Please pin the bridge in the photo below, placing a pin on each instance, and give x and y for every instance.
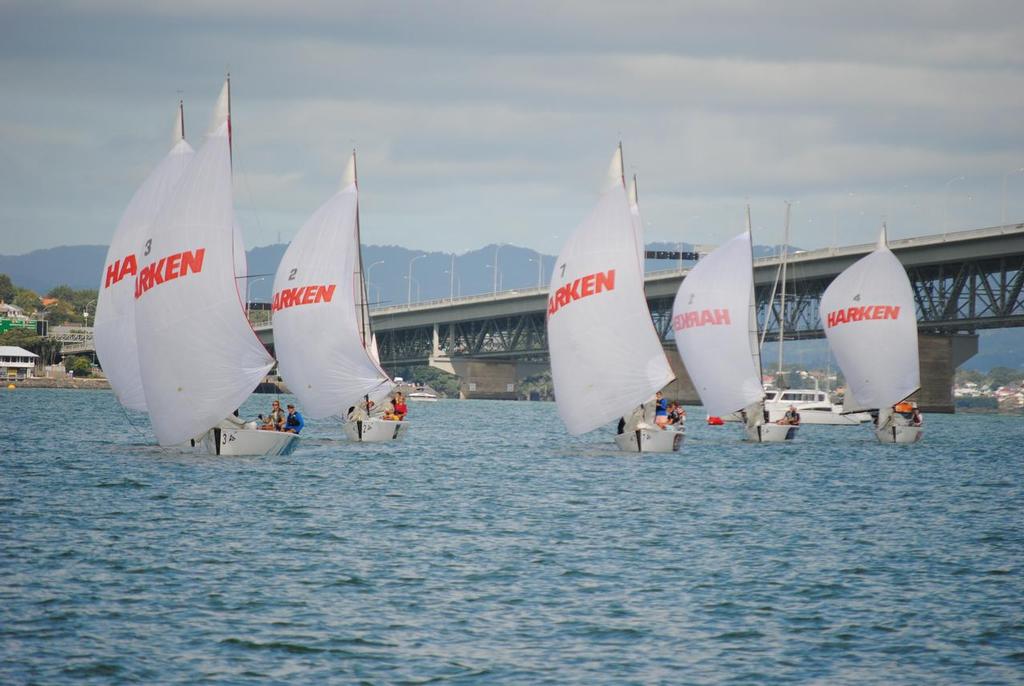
(962, 281)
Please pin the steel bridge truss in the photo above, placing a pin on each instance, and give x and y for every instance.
(952, 297)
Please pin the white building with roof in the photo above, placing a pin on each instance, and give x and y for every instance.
(16, 363)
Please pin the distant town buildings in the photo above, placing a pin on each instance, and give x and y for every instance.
(1007, 398)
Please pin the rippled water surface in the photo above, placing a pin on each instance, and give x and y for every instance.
(490, 547)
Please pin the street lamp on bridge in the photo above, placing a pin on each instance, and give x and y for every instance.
(408, 297)
(369, 284)
(85, 312)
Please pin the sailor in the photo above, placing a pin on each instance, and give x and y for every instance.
(660, 410)
(401, 409)
(791, 416)
(294, 422)
(275, 420)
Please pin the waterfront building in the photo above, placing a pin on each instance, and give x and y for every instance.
(16, 363)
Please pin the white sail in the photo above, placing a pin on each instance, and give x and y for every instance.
(198, 355)
(114, 328)
(871, 324)
(711, 320)
(374, 350)
(317, 327)
(606, 357)
(638, 224)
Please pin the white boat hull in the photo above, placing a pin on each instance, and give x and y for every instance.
(650, 440)
(418, 398)
(771, 433)
(373, 430)
(247, 441)
(899, 434)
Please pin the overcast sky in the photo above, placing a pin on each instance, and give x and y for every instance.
(481, 122)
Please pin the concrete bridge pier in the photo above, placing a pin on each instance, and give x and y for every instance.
(940, 355)
(682, 389)
(487, 379)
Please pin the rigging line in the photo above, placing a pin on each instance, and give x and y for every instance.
(128, 419)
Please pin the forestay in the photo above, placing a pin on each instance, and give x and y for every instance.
(316, 325)
(198, 354)
(114, 329)
(606, 357)
(710, 318)
(870, 321)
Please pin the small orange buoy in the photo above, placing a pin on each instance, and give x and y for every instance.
(715, 421)
(10, 387)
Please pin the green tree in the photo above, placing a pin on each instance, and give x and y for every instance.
(62, 292)
(27, 300)
(446, 385)
(7, 289)
(81, 366)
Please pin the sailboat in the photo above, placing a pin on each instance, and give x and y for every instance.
(114, 328)
(869, 318)
(199, 358)
(715, 322)
(607, 360)
(325, 347)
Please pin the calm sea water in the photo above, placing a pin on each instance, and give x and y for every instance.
(490, 547)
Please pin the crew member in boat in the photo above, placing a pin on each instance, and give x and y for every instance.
(676, 414)
(791, 416)
(401, 409)
(660, 410)
(294, 422)
(275, 420)
(915, 418)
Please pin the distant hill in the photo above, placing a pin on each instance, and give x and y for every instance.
(81, 266)
(78, 266)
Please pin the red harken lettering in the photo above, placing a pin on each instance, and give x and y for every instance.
(686, 320)
(168, 268)
(120, 269)
(585, 286)
(303, 295)
(862, 313)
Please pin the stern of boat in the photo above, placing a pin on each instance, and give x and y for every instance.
(650, 440)
(374, 430)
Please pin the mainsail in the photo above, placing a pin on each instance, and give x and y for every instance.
(318, 327)
(711, 320)
(114, 329)
(198, 354)
(870, 322)
(606, 357)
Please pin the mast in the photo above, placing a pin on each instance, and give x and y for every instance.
(755, 347)
(181, 116)
(231, 149)
(364, 302)
(622, 167)
(782, 297)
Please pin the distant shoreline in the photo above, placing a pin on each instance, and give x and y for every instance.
(81, 383)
